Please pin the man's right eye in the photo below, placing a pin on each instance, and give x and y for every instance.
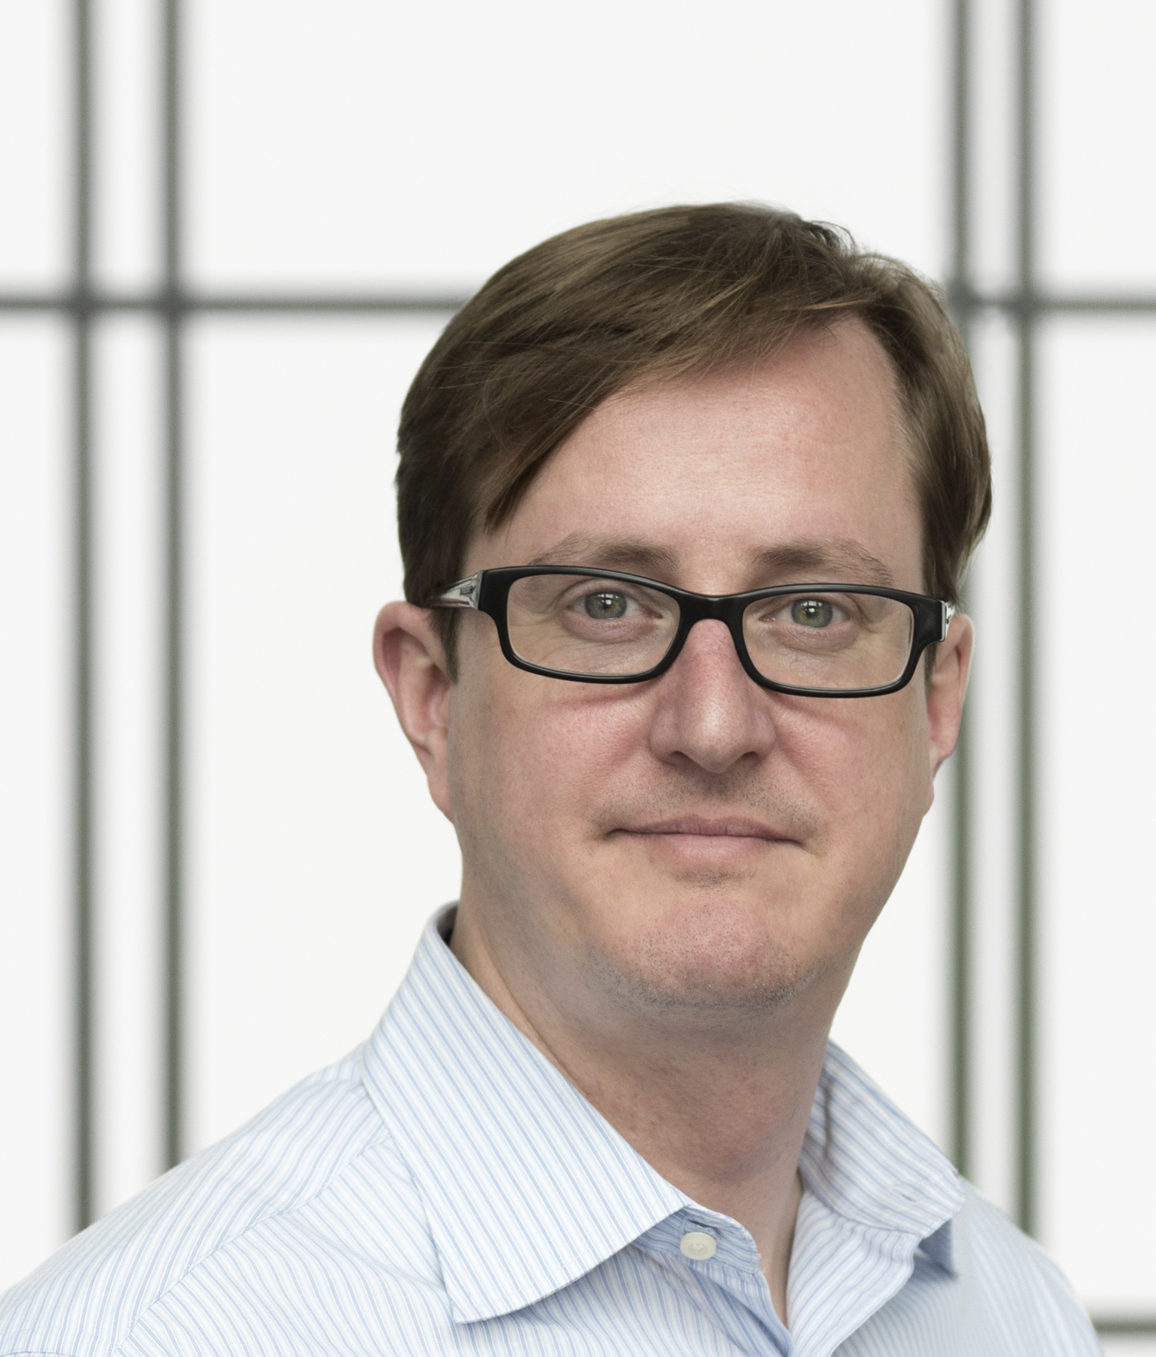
(812, 612)
(605, 605)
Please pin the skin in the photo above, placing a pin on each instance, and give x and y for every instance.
(666, 884)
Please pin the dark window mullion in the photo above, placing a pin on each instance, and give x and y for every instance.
(961, 913)
(83, 771)
(1027, 997)
(173, 961)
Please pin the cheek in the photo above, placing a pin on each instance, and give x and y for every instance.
(868, 766)
(526, 755)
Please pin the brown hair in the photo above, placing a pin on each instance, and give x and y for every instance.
(656, 295)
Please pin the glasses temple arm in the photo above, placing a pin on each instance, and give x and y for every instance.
(463, 594)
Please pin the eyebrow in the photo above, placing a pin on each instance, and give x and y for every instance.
(836, 555)
(836, 560)
(611, 553)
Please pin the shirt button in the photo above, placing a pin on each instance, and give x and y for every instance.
(697, 1244)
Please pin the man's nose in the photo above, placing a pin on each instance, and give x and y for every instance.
(708, 708)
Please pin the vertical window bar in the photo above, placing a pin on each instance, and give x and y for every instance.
(960, 928)
(173, 962)
(1026, 929)
(83, 771)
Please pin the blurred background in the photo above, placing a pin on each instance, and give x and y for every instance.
(230, 231)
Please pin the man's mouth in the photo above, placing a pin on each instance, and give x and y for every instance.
(711, 827)
(707, 838)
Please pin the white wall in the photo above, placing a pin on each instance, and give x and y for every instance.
(360, 146)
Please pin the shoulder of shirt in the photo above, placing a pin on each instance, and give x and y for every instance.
(86, 1300)
(1010, 1274)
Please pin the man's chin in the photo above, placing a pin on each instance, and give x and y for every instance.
(699, 958)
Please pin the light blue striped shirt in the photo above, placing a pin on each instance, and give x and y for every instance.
(446, 1190)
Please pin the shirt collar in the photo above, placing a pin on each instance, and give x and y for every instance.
(868, 1163)
(527, 1187)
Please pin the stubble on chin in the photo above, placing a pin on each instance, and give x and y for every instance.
(712, 966)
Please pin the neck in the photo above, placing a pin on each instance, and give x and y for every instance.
(726, 1126)
(718, 1104)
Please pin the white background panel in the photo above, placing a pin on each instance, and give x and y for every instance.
(1097, 654)
(1097, 193)
(35, 236)
(36, 792)
(893, 1016)
(129, 135)
(991, 120)
(992, 721)
(128, 612)
(315, 854)
(369, 147)
(372, 144)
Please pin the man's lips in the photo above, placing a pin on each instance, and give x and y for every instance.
(707, 841)
(709, 827)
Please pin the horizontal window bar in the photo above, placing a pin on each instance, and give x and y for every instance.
(1037, 302)
(370, 303)
(164, 303)
(1135, 1327)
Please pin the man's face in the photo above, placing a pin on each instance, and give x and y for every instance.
(696, 839)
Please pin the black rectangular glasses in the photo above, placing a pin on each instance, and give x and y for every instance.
(817, 640)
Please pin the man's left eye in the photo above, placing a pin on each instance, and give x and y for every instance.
(812, 612)
(605, 607)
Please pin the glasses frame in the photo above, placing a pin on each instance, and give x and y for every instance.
(488, 591)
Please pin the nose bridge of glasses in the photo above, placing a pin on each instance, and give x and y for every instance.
(725, 608)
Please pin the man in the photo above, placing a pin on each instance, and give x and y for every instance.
(713, 476)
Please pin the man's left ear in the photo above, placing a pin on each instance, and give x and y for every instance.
(410, 660)
(946, 689)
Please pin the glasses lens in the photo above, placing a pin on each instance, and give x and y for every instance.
(831, 642)
(586, 624)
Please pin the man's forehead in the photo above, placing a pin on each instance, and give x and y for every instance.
(833, 560)
(794, 470)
